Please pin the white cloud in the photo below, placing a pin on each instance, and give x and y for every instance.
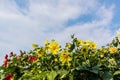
(96, 30)
(106, 14)
(58, 12)
(46, 19)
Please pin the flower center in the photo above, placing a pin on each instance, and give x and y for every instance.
(54, 47)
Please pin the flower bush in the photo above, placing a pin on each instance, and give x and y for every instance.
(78, 60)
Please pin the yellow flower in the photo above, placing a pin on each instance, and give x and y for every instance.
(93, 45)
(84, 49)
(54, 47)
(94, 54)
(34, 46)
(79, 42)
(101, 49)
(101, 55)
(113, 50)
(56, 60)
(118, 35)
(112, 61)
(68, 45)
(86, 42)
(46, 43)
(65, 57)
(105, 50)
(118, 32)
(40, 52)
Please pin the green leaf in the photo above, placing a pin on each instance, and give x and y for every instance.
(62, 73)
(51, 75)
(26, 76)
(107, 75)
(95, 69)
(30, 76)
(86, 64)
(117, 73)
(82, 68)
(2, 76)
(71, 77)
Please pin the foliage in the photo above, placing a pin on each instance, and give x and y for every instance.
(78, 60)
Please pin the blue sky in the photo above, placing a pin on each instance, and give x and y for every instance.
(23, 22)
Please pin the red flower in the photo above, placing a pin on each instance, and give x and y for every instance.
(9, 77)
(5, 64)
(32, 59)
(11, 54)
(5, 60)
(6, 56)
